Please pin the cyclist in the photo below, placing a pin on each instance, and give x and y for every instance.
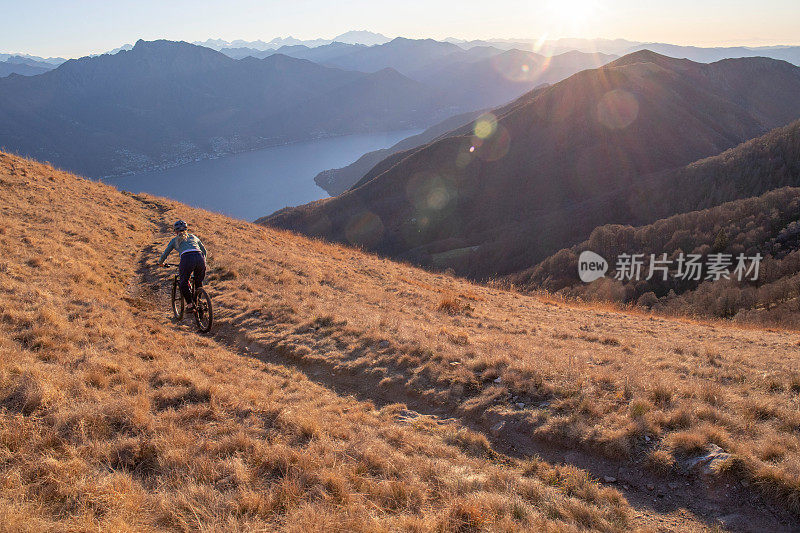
(193, 260)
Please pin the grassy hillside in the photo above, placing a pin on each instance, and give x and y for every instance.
(288, 415)
(114, 418)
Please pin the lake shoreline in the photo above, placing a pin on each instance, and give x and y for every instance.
(253, 183)
(206, 156)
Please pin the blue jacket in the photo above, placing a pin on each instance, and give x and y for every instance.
(189, 244)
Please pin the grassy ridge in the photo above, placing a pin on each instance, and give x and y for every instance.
(128, 412)
(113, 418)
(654, 391)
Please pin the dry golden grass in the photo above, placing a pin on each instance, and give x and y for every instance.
(625, 384)
(112, 418)
(628, 385)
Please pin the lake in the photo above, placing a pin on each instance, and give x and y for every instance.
(254, 184)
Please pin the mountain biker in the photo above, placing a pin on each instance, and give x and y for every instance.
(193, 260)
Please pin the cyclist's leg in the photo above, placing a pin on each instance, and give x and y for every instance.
(185, 269)
(199, 271)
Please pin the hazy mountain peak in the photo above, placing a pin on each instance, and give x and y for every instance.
(648, 56)
(389, 73)
(361, 37)
(127, 46)
(162, 44)
(166, 49)
(409, 40)
(520, 54)
(279, 59)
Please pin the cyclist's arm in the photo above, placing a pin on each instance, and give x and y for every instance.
(170, 247)
(202, 248)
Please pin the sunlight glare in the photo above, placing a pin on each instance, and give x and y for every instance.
(572, 15)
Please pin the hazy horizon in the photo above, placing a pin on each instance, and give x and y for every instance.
(89, 27)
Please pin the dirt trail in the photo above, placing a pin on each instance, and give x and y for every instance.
(660, 503)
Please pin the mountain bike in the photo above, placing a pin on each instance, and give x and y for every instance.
(203, 312)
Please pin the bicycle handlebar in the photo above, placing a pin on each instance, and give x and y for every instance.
(170, 265)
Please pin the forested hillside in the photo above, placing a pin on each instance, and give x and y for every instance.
(767, 226)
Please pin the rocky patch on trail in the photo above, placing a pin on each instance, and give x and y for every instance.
(707, 464)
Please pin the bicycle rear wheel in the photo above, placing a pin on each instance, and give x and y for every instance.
(177, 300)
(203, 314)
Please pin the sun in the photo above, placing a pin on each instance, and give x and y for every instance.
(572, 15)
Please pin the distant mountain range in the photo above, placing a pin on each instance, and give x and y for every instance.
(501, 194)
(27, 58)
(617, 47)
(623, 47)
(239, 48)
(164, 103)
(468, 79)
(318, 54)
(23, 66)
(184, 110)
(709, 55)
(362, 37)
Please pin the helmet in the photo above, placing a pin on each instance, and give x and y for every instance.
(180, 225)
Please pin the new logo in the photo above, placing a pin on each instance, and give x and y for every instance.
(591, 266)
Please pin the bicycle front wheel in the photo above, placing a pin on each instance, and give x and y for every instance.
(204, 314)
(177, 300)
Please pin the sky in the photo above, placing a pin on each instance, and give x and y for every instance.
(81, 27)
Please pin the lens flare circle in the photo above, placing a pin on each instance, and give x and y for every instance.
(496, 147)
(617, 109)
(485, 126)
(364, 229)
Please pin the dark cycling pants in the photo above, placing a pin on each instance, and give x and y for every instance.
(191, 262)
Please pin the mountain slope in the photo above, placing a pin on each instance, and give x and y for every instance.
(751, 222)
(115, 418)
(164, 102)
(386, 100)
(481, 83)
(287, 415)
(478, 205)
(320, 54)
(337, 181)
(762, 164)
(709, 55)
(501, 77)
(766, 226)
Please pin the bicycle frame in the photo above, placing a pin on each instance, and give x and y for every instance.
(203, 310)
